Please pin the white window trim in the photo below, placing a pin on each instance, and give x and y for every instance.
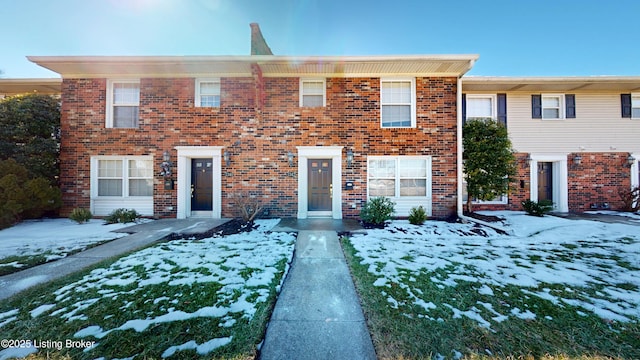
(324, 90)
(109, 110)
(494, 104)
(197, 92)
(125, 175)
(635, 96)
(397, 178)
(562, 109)
(413, 101)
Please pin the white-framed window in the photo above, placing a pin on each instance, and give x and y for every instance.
(552, 106)
(502, 199)
(398, 103)
(481, 106)
(313, 93)
(635, 106)
(123, 176)
(399, 176)
(207, 93)
(123, 103)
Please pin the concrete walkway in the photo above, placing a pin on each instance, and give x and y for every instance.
(142, 236)
(318, 314)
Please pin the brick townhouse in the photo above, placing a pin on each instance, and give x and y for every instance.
(309, 136)
(577, 139)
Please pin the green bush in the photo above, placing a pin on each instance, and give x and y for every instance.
(377, 210)
(534, 208)
(417, 215)
(122, 216)
(22, 197)
(80, 215)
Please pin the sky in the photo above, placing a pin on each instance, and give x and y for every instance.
(512, 37)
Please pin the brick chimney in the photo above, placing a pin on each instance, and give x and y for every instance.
(258, 44)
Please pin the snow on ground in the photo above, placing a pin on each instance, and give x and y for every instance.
(579, 255)
(54, 237)
(237, 269)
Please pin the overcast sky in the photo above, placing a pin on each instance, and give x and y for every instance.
(512, 37)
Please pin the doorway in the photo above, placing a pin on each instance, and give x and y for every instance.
(545, 181)
(320, 184)
(201, 184)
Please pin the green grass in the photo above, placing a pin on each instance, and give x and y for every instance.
(138, 303)
(557, 332)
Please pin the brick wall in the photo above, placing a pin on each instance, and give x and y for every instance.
(258, 135)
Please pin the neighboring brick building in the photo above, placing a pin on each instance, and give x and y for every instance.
(580, 136)
(310, 136)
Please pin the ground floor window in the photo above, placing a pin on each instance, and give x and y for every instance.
(502, 199)
(121, 182)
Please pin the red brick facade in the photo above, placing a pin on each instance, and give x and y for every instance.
(592, 184)
(258, 123)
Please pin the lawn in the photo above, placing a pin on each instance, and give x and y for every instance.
(34, 242)
(554, 288)
(208, 298)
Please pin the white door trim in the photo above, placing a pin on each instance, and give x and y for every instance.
(183, 186)
(634, 170)
(560, 179)
(319, 152)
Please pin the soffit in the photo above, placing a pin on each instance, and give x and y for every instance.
(270, 66)
(23, 86)
(551, 84)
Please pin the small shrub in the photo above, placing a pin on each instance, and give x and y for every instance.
(248, 206)
(539, 208)
(80, 215)
(630, 199)
(122, 216)
(377, 210)
(417, 215)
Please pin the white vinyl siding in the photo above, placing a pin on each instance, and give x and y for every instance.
(481, 106)
(552, 107)
(207, 93)
(123, 103)
(635, 106)
(398, 103)
(406, 180)
(597, 127)
(121, 182)
(312, 93)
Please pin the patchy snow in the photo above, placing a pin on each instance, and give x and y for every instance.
(54, 237)
(241, 268)
(576, 255)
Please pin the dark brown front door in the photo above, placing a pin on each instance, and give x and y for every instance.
(320, 187)
(201, 184)
(545, 181)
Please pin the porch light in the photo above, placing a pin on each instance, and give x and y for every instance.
(630, 160)
(227, 158)
(577, 159)
(528, 159)
(166, 164)
(290, 158)
(349, 157)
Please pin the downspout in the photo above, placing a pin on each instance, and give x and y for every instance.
(459, 146)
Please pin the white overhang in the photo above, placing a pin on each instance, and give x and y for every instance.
(47, 86)
(270, 65)
(550, 84)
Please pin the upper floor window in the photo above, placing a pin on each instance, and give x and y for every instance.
(398, 103)
(481, 106)
(635, 106)
(553, 106)
(208, 93)
(312, 92)
(123, 103)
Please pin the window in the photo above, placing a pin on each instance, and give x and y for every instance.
(207, 93)
(312, 93)
(401, 176)
(124, 176)
(553, 106)
(635, 106)
(502, 199)
(123, 101)
(481, 106)
(397, 102)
